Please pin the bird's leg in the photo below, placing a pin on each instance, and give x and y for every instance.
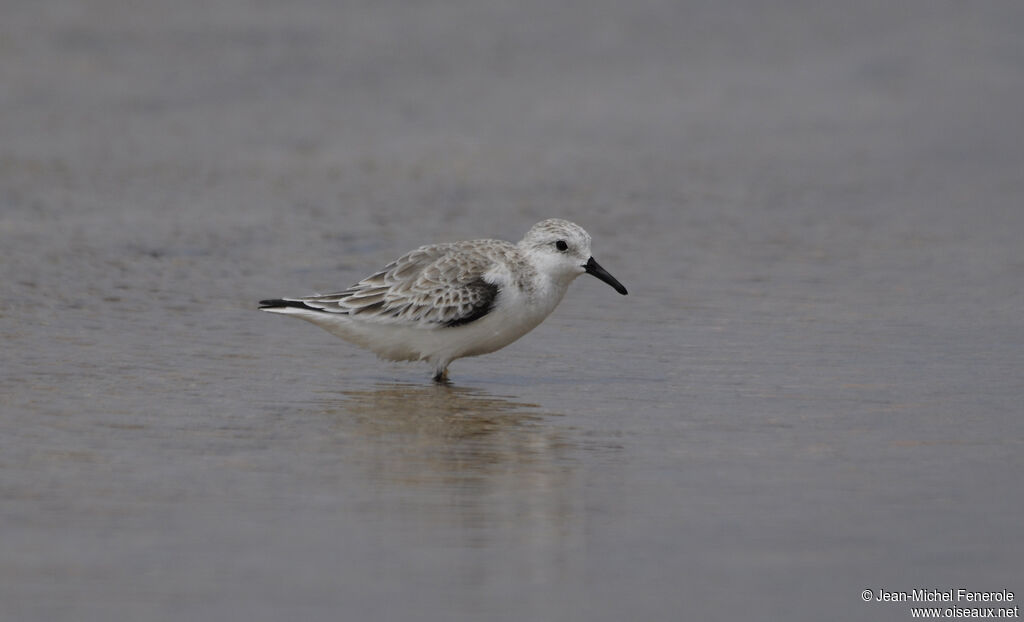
(441, 375)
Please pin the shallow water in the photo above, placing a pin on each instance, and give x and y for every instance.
(813, 388)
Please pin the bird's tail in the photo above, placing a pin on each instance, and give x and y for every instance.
(285, 305)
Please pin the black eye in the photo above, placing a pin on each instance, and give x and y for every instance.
(561, 245)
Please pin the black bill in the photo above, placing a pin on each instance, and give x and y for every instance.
(592, 267)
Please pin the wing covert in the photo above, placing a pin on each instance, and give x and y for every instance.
(438, 284)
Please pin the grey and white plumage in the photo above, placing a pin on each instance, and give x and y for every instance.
(442, 302)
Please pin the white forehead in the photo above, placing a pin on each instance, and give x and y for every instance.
(557, 229)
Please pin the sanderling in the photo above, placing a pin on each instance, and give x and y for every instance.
(442, 302)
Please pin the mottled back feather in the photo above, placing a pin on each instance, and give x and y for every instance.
(440, 284)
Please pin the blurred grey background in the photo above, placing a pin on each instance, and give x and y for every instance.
(814, 387)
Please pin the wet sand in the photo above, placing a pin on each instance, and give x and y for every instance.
(814, 387)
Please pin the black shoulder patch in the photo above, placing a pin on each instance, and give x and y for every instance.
(484, 295)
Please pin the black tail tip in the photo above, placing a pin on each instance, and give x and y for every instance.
(281, 303)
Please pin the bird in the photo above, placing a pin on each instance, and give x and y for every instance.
(442, 302)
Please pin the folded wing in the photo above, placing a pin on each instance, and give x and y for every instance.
(439, 285)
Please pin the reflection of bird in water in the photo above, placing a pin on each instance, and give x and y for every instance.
(449, 412)
(442, 302)
(428, 433)
(493, 468)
